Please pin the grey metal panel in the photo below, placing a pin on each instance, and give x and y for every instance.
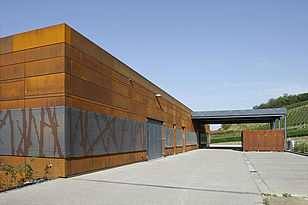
(98, 134)
(5, 133)
(6, 147)
(114, 135)
(154, 139)
(169, 137)
(190, 138)
(53, 140)
(67, 132)
(179, 137)
(76, 121)
(34, 131)
(97, 126)
(138, 130)
(126, 129)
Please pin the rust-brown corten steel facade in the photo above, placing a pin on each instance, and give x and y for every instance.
(263, 140)
(68, 101)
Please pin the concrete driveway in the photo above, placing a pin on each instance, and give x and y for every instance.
(196, 177)
(280, 172)
(206, 176)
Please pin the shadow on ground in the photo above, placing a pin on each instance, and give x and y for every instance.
(226, 147)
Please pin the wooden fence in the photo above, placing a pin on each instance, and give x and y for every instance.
(263, 140)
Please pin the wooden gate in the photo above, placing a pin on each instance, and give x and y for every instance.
(263, 140)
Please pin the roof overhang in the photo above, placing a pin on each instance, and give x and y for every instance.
(239, 116)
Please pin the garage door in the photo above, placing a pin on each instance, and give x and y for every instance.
(154, 138)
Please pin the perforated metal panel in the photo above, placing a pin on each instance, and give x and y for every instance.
(179, 137)
(33, 131)
(154, 139)
(190, 138)
(169, 137)
(90, 133)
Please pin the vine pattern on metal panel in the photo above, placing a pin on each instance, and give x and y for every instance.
(23, 127)
(102, 134)
(45, 131)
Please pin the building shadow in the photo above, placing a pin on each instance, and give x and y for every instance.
(225, 147)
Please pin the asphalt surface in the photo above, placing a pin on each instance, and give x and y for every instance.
(206, 176)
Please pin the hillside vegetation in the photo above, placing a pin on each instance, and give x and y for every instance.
(297, 120)
(285, 101)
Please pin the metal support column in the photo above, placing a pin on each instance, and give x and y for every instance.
(274, 125)
(279, 124)
(285, 132)
(174, 138)
(209, 140)
(198, 139)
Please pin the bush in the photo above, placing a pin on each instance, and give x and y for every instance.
(236, 136)
(301, 147)
(226, 126)
(284, 101)
(16, 176)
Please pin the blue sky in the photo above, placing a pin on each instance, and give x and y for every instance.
(211, 55)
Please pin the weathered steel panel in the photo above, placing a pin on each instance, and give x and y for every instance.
(12, 90)
(45, 66)
(6, 44)
(46, 84)
(45, 52)
(10, 72)
(40, 37)
(12, 58)
(263, 140)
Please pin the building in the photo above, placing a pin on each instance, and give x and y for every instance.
(78, 108)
